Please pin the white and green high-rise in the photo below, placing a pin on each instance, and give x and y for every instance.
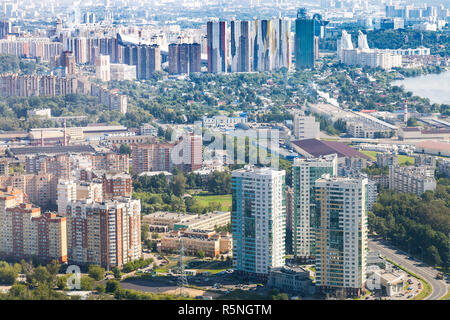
(258, 220)
(305, 172)
(341, 234)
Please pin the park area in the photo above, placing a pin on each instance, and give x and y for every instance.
(205, 200)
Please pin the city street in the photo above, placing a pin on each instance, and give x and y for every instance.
(439, 287)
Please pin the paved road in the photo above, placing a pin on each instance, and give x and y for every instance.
(439, 287)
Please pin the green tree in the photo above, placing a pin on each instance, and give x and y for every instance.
(434, 256)
(178, 184)
(112, 286)
(87, 283)
(117, 273)
(101, 288)
(125, 149)
(8, 274)
(96, 272)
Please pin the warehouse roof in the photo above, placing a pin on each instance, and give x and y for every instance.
(52, 150)
(319, 148)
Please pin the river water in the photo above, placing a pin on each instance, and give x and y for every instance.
(435, 87)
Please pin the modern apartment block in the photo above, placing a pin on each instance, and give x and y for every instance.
(39, 188)
(122, 72)
(104, 233)
(71, 190)
(184, 58)
(42, 48)
(117, 185)
(64, 166)
(258, 220)
(113, 162)
(217, 47)
(14, 85)
(306, 127)
(85, 49)
(66, 192)
(272, 45)
(305, 172)
(146, 58)
(341, 234)
(58, 165)
(152, 157)
(410, 179)
(103, 68)
(260, 45)
(187, 154)
(242, 42)
(26, 233)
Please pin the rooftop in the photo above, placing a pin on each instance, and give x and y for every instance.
(434, 145)
(52, 150)
(318, 148)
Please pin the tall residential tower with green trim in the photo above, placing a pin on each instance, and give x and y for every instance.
(305, 172)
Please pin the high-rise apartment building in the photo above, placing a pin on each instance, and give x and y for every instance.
(305, 173)
(104, 233)
(217, 47)
(117, 185)
(152, 157)
(184, 58)
(66, 192)
(146, 58)
(68, 62)
(305, 43)
(242, 42)
(341, 234)
(111, 162)
(187, 154)
(5, 28)
(260, 45)
(258, 220)
(39, 188)
(26, 233)
(102, 67)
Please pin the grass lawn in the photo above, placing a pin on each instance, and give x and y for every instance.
(371, 154)
(213, 266)
(224, 200)
(402, 159)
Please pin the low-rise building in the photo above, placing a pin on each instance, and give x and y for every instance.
(443, 167)
(410, 179)
(194, 241)
(295, 280)
(306, 127)
(386, 159)
(424, 160)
